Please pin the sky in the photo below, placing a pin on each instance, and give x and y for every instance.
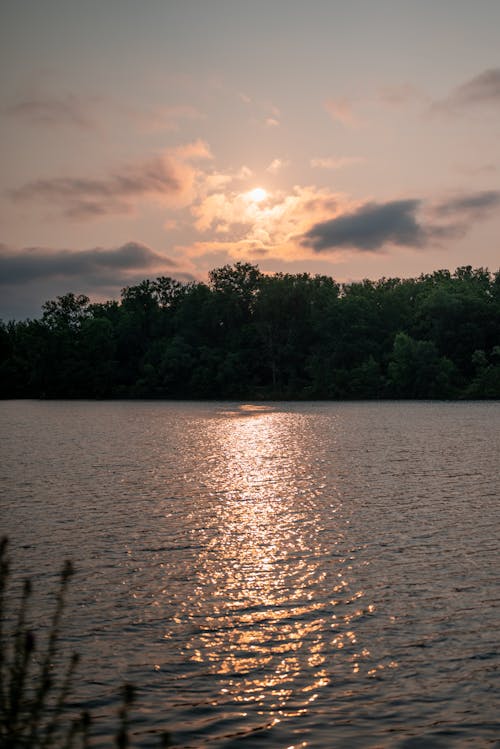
(355, 139)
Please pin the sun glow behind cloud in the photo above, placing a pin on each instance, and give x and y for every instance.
(260, 222)
(257, 195)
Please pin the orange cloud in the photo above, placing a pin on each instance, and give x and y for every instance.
(272, 226)
(335, 163)
(276, 165)
(340, 110)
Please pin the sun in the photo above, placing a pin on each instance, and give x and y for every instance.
(257, 195)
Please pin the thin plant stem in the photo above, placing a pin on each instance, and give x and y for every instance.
(122, 737)
(23, 648)
(61, 701)
(45, 682)
(4, 572)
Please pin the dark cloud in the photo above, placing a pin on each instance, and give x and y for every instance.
(259, 252)
(30, 276)
(98, 265)
(52, 111)
(475, 205)
(81, 198)
(476, 170)
(370, 228)
(375, 225)
(482, 89)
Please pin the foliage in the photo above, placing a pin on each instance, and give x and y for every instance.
(34, 690)
(245, 334)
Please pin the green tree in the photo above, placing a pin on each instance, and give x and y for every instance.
(417, 371)
(486, 381)
(66, 312)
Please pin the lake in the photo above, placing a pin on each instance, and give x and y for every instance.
(269, 575)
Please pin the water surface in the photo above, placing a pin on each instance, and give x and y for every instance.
(269, 575)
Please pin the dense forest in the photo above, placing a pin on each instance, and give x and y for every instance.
(254, 336)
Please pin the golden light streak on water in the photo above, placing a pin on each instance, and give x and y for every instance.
(262, 576)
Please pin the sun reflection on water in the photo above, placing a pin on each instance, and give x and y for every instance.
(268, 578)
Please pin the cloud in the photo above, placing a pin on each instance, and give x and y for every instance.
(276, 165)
(235, 223)
(53, 111)
(370, 228)
(196, 149)
(217, 182)
(267, 220)
(472, 206)
(329, 162)
(483, 89)
(165, 118)
(97, 265)
(476, 170)
(80, 197)
(399, 95)
(78, 111)
(308, 221)
(404, 223)
(167, 178)
(264, 112)
(340, 110)
(30, 276)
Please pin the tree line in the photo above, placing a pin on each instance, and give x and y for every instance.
(247, 335)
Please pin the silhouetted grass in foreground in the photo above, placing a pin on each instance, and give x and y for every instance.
(34, 691)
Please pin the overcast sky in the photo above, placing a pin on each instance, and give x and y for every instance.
(168, 137)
